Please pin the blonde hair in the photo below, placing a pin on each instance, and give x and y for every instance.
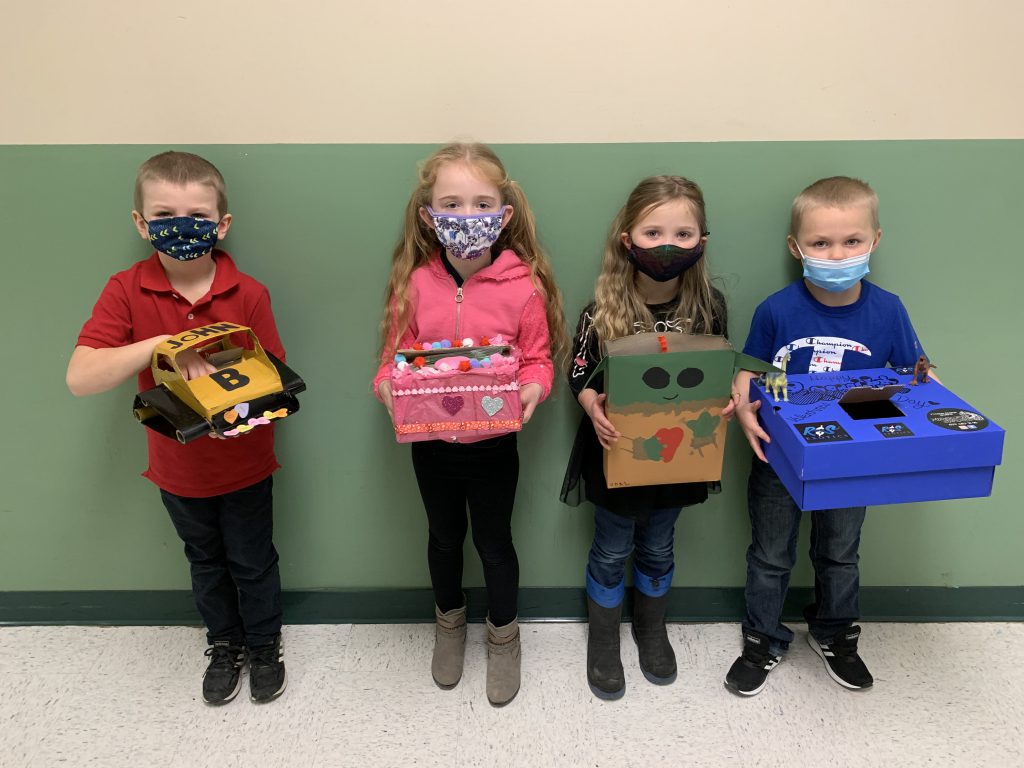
(418, 242)
(619, 307)
(833, 192)
(181, 168)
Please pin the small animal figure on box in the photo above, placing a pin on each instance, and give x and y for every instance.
(921, 369)
(776, 382)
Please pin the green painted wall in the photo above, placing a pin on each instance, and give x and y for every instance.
(317, 223)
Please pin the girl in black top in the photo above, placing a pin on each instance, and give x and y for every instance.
(653, 278)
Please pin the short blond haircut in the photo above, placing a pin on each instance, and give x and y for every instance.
(833, 192)
(181, 168)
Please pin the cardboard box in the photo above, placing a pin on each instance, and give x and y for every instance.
(249, 388)
(665, 394)
(457, 392)
(866, 437)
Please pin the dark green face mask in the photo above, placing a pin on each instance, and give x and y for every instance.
(665, 262)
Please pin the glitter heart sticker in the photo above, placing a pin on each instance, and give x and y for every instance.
(452, 404)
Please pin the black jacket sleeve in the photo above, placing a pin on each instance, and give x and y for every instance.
(586, 354)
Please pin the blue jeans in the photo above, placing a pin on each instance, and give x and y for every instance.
(775, 526)
(615, 537)
(229, 545)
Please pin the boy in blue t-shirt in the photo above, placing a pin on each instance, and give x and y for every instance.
(830, 320)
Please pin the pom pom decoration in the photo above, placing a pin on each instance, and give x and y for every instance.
(467, 342)
(484, 341)
(465, 365)
(474, 363)
(399, 359)
(419, 362)
(445, 344)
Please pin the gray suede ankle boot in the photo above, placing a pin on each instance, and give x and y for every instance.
(449, 647)
(503, 664)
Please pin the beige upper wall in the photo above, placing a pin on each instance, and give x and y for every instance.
(124, 71)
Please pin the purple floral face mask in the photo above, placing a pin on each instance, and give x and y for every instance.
(467, 237)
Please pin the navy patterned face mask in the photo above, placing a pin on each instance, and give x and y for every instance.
(467, 237)
(664, 262)
(183, 237)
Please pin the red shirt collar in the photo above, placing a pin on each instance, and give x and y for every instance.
(153, 277)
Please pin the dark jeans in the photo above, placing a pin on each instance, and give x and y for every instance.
(229, 546)
(483, 476)
(835, 539)
(615, 538)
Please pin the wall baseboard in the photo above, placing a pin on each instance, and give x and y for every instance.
(367, 606)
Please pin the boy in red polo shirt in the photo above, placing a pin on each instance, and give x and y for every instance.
(218, 492)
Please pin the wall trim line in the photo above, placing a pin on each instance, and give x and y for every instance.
(414, 605)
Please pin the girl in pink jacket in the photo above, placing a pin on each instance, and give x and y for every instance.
(469, 265)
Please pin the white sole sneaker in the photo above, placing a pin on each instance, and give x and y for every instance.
(825, 656)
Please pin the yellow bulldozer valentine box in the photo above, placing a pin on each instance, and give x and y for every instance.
(666, 393)
(249, 388)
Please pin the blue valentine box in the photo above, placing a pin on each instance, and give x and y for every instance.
(859, 438)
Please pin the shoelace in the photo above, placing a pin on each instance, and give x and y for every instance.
(224, 656)
(266, 656)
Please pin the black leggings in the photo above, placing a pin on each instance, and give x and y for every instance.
(483, 475)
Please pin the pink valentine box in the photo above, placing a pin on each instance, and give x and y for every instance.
(456, 393)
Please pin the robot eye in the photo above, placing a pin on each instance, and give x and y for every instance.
(656, 378)
(690, 377)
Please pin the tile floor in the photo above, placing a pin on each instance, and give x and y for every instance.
(361, 695)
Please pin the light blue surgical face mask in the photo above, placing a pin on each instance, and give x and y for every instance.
(835, 275)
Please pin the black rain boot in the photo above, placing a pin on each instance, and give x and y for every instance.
(657, 659)
(604, 664)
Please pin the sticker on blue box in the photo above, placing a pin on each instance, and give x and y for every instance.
(957, 419)
(894, 430)
(822, 432)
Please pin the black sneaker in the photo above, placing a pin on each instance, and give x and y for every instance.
(223, 676)
(749, 673)
(267, 678)
(841, 660)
